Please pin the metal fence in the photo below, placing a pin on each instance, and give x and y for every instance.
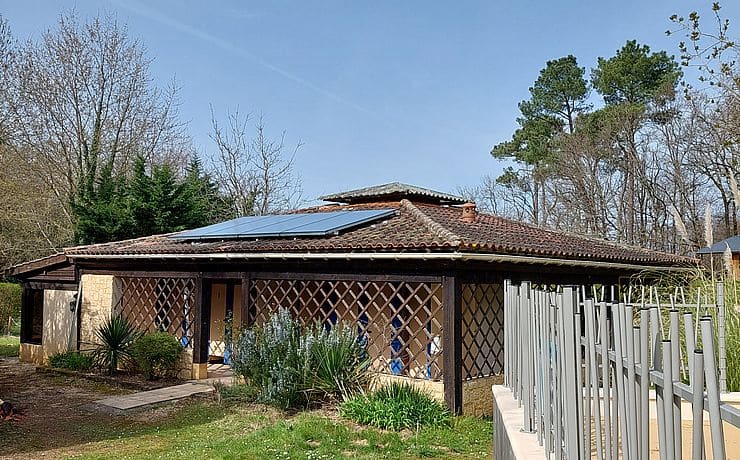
(582, 368)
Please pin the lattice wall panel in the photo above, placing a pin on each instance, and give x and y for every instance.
(158, 304)
(401, 321)
(482, 330)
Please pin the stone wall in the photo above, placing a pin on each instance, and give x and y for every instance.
(99, 296)
(477, 397)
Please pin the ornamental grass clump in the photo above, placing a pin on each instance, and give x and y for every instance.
(396, 406)
(293, 366)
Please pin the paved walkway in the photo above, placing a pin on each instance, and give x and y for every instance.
(217, 373)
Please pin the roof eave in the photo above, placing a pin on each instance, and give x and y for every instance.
(395, 256)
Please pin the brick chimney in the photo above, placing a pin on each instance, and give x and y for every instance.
(469, 213)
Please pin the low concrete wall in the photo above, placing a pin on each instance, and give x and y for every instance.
(509, 442)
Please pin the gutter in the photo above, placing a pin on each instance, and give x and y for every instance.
(397, 256)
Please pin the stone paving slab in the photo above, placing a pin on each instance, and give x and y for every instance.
(157, 396)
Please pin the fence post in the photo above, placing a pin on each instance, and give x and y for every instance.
(721, 337)
(572, 392)
(697, 406)
(710, 375)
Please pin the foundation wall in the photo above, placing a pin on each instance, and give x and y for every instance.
(30, 353)
(477, 396)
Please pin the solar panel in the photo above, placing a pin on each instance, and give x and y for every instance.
(285, 225)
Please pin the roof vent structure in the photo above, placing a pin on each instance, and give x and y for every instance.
(469, 212)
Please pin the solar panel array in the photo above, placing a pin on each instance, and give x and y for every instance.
(285, 225)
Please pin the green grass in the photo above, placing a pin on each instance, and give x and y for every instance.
(207, 430)
(9, 346)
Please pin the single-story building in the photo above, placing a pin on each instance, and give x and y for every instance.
(420, 272)
(714, 256)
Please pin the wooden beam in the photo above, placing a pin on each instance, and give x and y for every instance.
(141, 274)
(202, 318)
(344, 277)
(452, 342)
(71, 286)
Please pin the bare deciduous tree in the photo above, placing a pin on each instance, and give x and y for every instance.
(82, 97)
(255, 171)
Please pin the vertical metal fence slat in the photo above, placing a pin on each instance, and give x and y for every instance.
(721, 347)
(619, 376)
(644, 384)
(712, 384)
(591, 340)
(668, 426)
(630, 382)
(697, 406)
(605, 380)
(676, 370)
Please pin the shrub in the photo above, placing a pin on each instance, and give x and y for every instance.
(396, 406)
(292, 367)
(157, 355)
(268, 357)
(10, 306)
(338, 360)
(73, 360)
(117, 336)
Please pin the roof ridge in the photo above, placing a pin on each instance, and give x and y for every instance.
(435, 227)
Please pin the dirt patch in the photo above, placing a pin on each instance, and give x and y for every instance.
(55, 411)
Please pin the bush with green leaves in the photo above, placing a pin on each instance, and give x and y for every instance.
(338, 362)
(157, 355)
(116, 339)
(72, 360)
(10, 307)
(294, 366)
(396, 406)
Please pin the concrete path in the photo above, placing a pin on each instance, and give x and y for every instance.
(160, 395)
(192, 387)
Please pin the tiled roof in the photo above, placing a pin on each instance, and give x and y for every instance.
(393, 191)
(416, 227)
(718, 248)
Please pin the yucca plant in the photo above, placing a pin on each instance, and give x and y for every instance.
(339, 360)
(117, 336)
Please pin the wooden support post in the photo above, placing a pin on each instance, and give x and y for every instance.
(452, 343)
(246, 307)
(201, 327)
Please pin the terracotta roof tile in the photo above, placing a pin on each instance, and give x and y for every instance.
(417, 227)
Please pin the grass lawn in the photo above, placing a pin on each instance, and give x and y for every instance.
(207, 430)
(9, 346)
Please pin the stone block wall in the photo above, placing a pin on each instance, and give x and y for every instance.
(477, 397)
(99, 296)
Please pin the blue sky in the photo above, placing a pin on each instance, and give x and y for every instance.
(377, 91)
